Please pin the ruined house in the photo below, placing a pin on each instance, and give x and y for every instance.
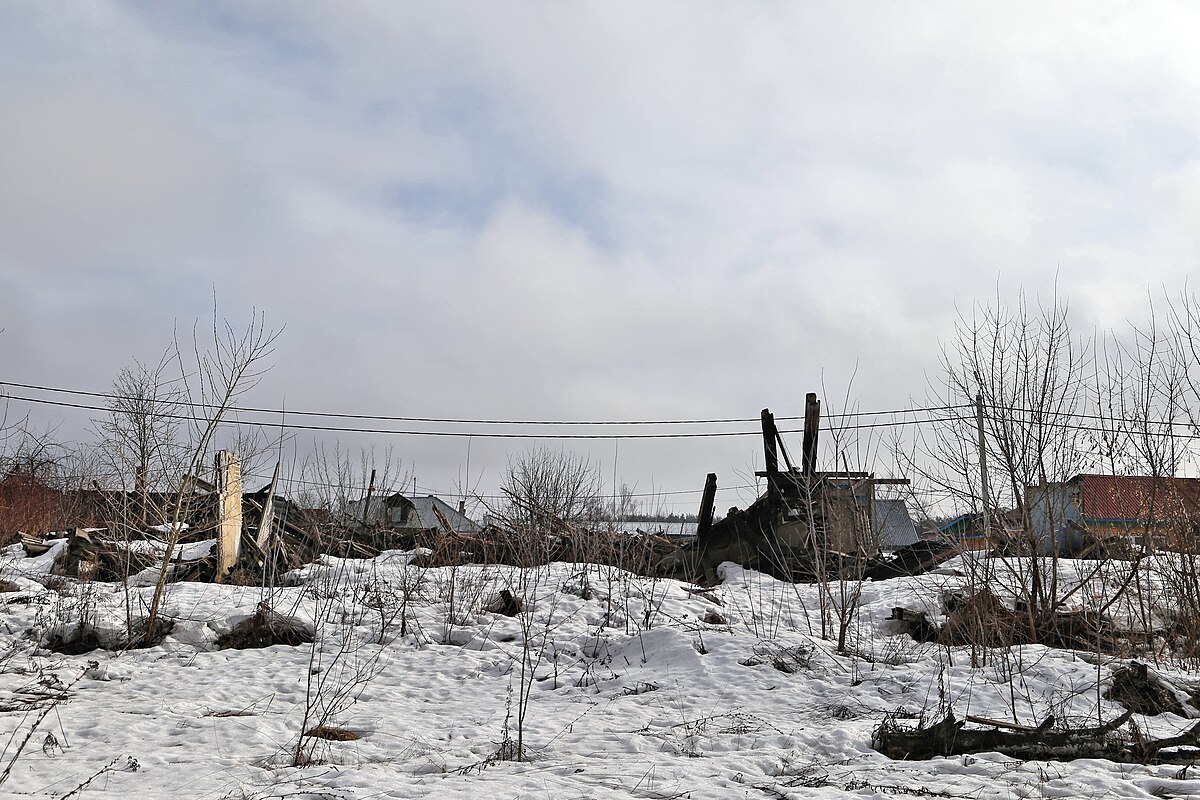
(808, 524)
(413, 514)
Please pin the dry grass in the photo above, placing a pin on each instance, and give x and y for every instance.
(332, 733)
(265, 629)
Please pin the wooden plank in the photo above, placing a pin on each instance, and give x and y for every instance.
(770, 454)
(267, 520)
(199, 483)
(229, 510)
(812, 424)
(708, 503)
(997, 723)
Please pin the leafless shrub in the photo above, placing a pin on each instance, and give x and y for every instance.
(266, 628)
(551, 492)
(217, 377)
(340, 665)
(786, 659)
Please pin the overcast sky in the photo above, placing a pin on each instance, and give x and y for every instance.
(581, 210)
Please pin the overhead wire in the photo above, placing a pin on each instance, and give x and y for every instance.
(915, 416)
(466, 421)
(484, 434)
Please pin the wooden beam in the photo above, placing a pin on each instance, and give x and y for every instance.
(812, 424)
(263, 540)
(229, 512)
(770, 437)
(708, 504)
(199, 483)
(770, 453)
(437, 512)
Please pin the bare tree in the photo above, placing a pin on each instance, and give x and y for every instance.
(1029, 373)
(216, 378)
(1141, 392)
(141, 436)
(549, 491)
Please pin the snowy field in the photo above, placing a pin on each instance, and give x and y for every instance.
(616, 686)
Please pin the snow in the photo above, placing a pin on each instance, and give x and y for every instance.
(632, 694)
(168, 527)
(187, 551)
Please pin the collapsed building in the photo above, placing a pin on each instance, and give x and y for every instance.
(808, 524)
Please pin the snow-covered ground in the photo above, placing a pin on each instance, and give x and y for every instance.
(636, 688)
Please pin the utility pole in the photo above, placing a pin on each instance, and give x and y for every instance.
(983, 474)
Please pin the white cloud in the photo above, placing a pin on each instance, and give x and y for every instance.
(584, 210)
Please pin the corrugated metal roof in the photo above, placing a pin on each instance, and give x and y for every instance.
(893, 526)
(423, 507)
(420, 514)
(1139, 498)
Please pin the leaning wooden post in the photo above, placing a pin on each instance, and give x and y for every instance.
(367, 502)
(708, 504)
(229, 512)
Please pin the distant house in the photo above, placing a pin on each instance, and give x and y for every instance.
(967, 531)
(1156, 512)
(894, 527)
(674, 530)
(26, 504)
(398, 513)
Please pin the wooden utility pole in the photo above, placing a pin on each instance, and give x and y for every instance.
(983, 473)
(229, 512)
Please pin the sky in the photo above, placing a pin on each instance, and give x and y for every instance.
(580, 211)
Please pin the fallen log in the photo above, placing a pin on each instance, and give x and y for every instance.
(1138, 689)
(949, 737)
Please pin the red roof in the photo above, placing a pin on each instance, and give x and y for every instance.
(1138, 497)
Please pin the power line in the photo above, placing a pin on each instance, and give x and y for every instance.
(1101, 417)
(462, 421)
(481, 434)
(927, 410)
(466, 421)
(475, 495)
